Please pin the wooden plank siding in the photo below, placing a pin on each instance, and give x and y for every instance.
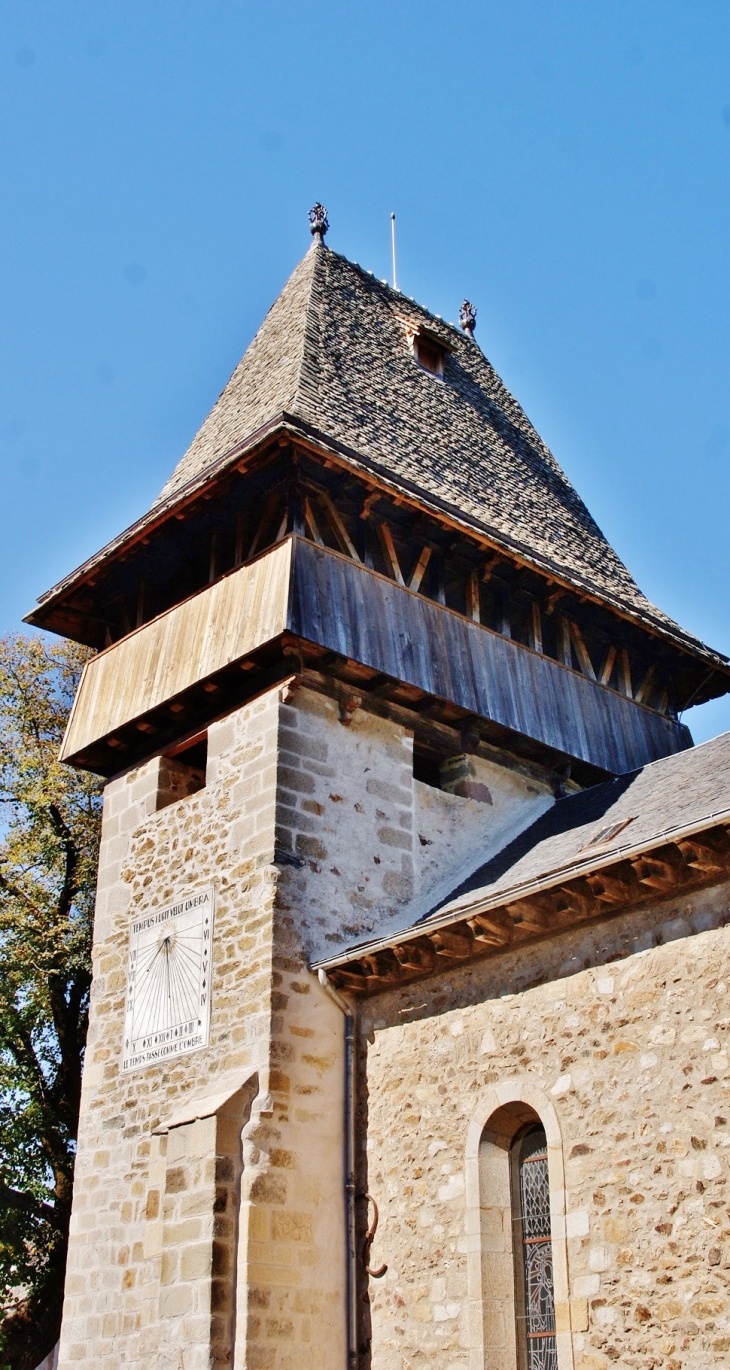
(186, 644)
(367, 617)
(325, 598)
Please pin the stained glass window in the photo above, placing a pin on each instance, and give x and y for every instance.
(534, 1255)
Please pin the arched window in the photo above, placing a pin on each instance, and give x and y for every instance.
(533, 1252)
(517, 1261)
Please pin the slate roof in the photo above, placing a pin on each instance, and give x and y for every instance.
(333, 354)
(691, 787)
(687, 791)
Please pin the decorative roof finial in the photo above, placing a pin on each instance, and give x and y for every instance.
(318, 221)
(468, 318)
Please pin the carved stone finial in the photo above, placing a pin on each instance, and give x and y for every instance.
(468, 318)
(318, 221)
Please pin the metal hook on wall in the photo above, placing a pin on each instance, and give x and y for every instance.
(369, 1239)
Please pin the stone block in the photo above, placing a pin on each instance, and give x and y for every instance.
(195, 1261)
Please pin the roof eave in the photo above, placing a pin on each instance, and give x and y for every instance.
(457, 913)
(298, 427)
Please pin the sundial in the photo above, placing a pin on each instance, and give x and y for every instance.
(168, 981)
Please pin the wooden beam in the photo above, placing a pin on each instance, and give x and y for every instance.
(624, 673)
(418, 955)
(473, 606)
(642, 693)
(295, 507)
(535, 627)
(420, 567)
(552, 599)
(493, 929)
(312, 524)
(576, 899)
(608, 664)
(581, 651)
(381, 963)
(240, 526)
(505, 626)
(564, 647)
(368, 503)
(661, 873)
(617, 886)
(489, 566)
(349, 980)
(456, 942)
(703, 857)
(391, 556)
(140, 602)
(343, 537)
(269, 506)
(530, 913)
(213, 559)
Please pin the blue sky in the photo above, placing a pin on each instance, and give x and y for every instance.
(565, 165)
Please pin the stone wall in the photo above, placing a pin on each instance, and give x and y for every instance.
(310, 832)
(172, 1250)
(617, 1035)
(368, 845)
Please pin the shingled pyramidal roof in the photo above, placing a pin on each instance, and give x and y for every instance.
(332, 357)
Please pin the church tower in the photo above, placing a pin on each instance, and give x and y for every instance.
(366, 639)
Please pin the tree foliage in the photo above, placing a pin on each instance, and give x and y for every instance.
(49, 833)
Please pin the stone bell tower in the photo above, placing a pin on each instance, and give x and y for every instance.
(365, 636)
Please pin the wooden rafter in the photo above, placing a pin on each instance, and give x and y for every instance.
(489, 566)
(258, 537)
(311, 523)
(391, 556)
(642, 694)
(338, 528)
(552, 599)
(420, 568)
(608, 665)
(581, 651)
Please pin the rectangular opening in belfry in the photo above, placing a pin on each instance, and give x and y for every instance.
(182, 771)
(427, 767)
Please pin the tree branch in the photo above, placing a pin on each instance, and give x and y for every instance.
(22, 1202)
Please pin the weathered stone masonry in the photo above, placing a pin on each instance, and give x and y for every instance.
(311, 832)
(622, 1029)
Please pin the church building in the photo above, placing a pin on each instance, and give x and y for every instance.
(409, 1029)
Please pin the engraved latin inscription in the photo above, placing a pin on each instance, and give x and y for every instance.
(168, 981)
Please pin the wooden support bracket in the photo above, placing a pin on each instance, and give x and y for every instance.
(420, 567)
(343, 537)
(581, 651)
(391, 556)
(608, 665)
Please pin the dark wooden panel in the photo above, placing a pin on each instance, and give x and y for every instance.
(367, 617)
